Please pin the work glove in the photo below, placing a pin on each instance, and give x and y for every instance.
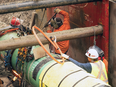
(57, 10)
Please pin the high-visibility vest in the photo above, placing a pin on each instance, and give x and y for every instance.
(105, 62)
(99, 71)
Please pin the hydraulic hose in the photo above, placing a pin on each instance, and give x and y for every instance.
(10, 30)
(33, 29)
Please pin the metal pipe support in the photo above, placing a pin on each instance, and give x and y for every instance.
(23, 6)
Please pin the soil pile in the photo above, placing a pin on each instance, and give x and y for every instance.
(5, 19)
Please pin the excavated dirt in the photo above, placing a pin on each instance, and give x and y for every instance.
(5, 19)
(25, 16)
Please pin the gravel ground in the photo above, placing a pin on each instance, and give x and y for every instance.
(24, 15)
(6, 77)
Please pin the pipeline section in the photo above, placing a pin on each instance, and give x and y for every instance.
(45, 72)
(23, 6)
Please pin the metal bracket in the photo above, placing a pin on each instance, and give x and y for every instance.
(34, 19)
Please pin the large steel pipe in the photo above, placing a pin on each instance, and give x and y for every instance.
(23, 6)
(45, 72)
(30, 40)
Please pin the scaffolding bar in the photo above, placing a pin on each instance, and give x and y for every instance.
(23, 6)
(30, 40)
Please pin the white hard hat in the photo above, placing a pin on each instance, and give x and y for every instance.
(92, 53)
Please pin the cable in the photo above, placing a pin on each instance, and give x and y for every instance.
(34, 27)
(8, 31)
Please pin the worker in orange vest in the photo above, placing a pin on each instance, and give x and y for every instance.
(95, 67)
(60, 25)
(106, 64)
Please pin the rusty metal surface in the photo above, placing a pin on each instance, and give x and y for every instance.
(15, 7)
(112, 46)
(85, 15)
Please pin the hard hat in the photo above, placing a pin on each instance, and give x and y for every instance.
(15, 21)
(92, 53)
(100, 51)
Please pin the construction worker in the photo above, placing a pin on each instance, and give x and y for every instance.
(60, 25)
(101, 55)
(95, 67)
